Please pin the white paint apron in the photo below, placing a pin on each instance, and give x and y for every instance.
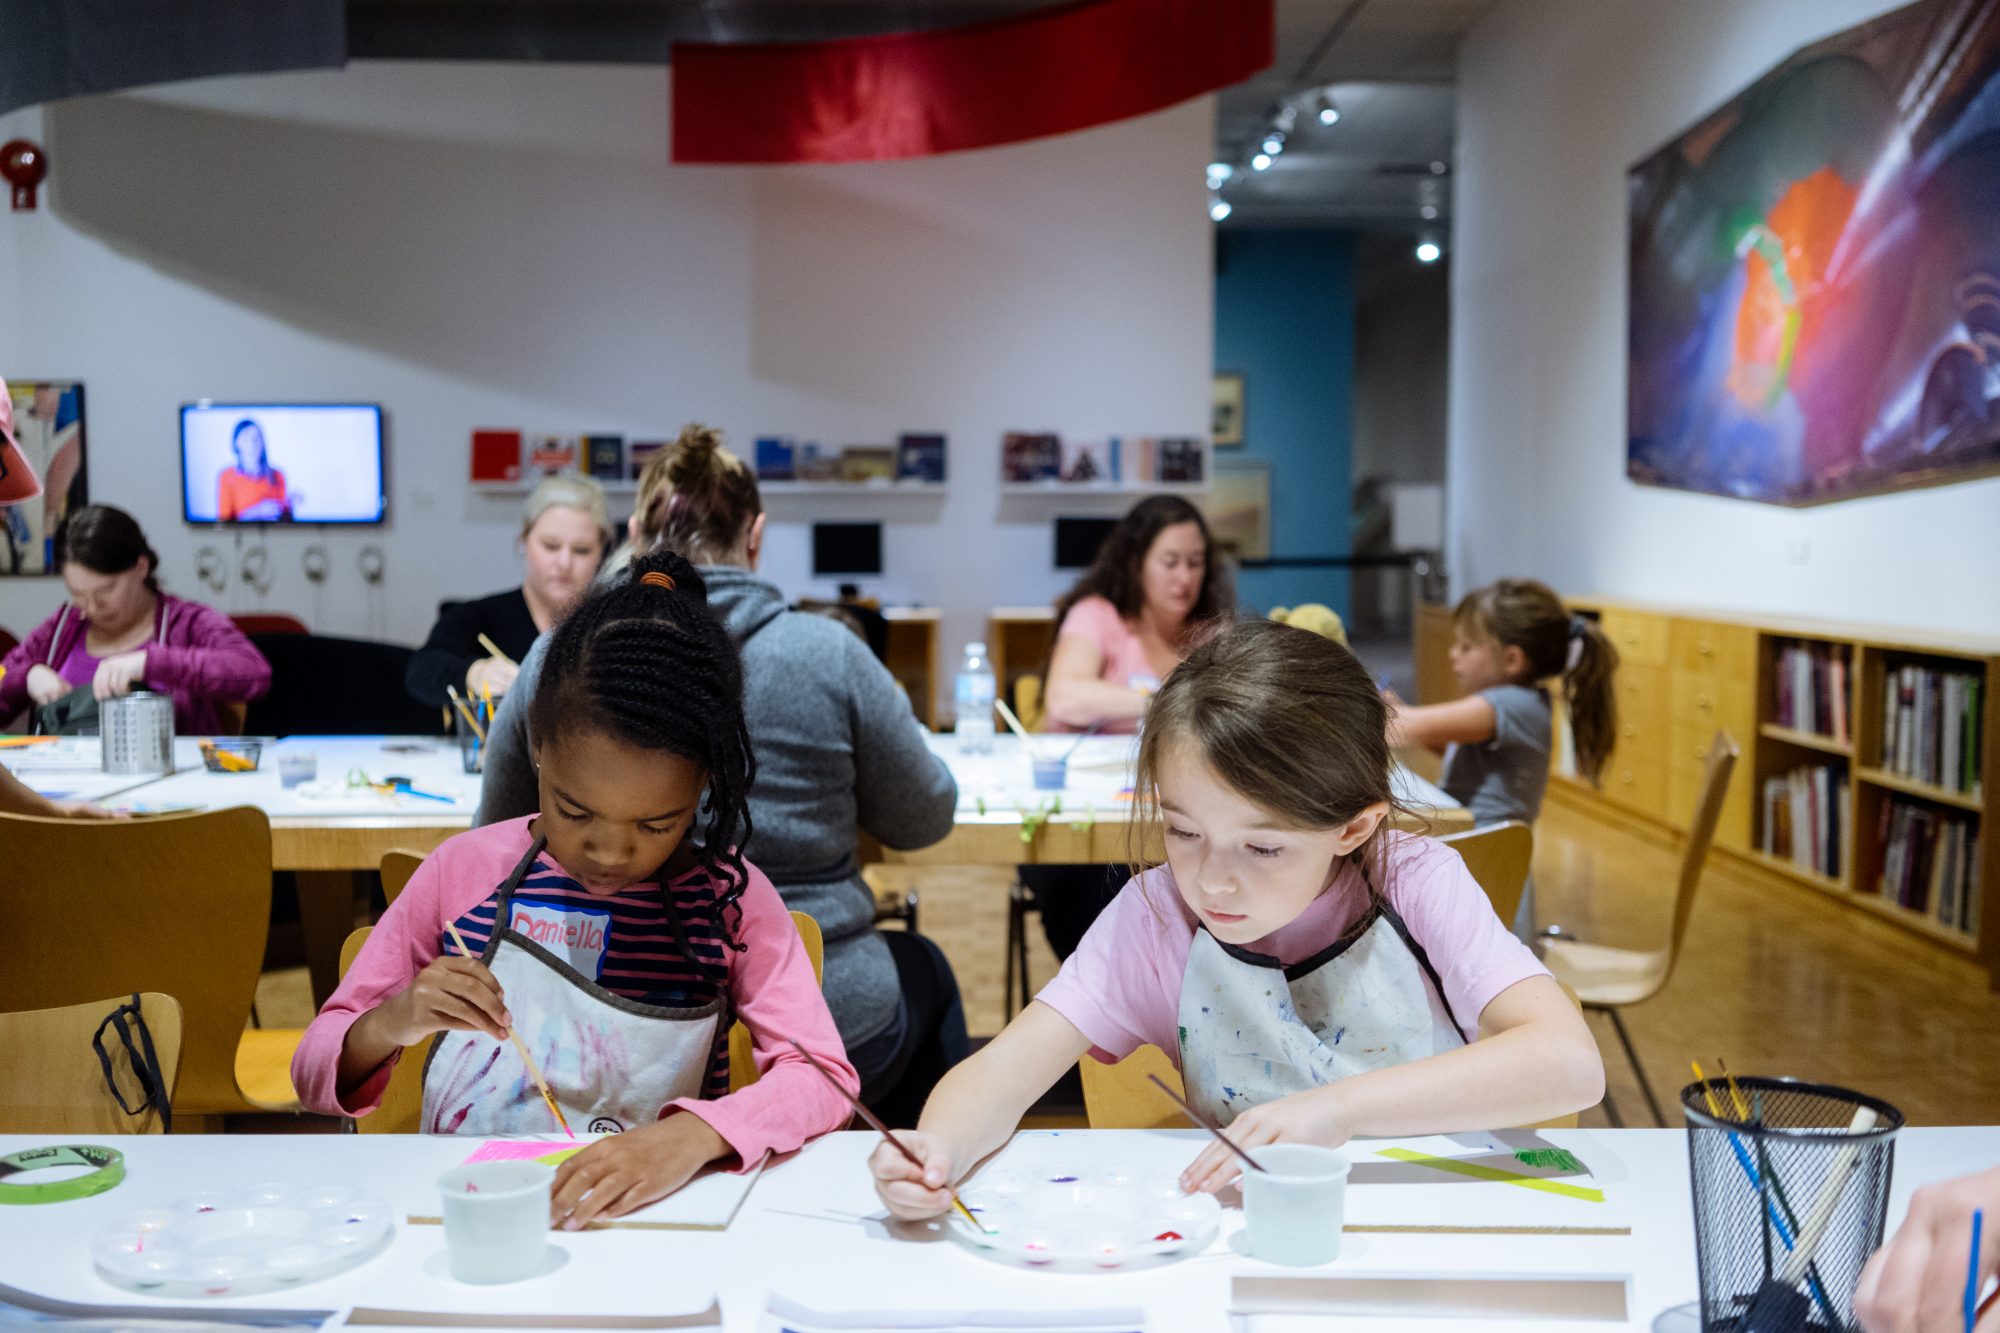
(1253, 1030)
(613, 1064)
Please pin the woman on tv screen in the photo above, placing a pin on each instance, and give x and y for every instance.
(253, 491)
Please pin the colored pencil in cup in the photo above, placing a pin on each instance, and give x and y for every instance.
(882, 1129)
(520, 1047)
(458, 702)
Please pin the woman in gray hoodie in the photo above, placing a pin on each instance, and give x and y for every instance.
(837, 750)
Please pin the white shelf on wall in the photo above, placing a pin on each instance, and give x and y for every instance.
(526, 484)
(1062, 488)
(868, 488)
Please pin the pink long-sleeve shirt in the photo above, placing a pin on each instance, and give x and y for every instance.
(195, 654)
(771, 986)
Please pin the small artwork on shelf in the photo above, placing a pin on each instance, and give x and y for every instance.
(920, 458)
(1239, 507)
(775, 458)
(549, 454)
(1086, 461)
(48, 427)
(638, 454)
(1181, 460)
(1226, 421)
(496, 455)
(1026, 456)
(866, 463)
(812, 463)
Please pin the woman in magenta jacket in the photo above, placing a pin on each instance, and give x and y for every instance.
(119, 633)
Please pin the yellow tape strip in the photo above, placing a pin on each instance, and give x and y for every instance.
(1481, 1172)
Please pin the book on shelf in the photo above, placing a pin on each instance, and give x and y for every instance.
(920, 458)
(1931, 726)
(1086, 460)
(550, 454)
(1030, 456)
(1806, 814)
(604, 456)
(496, 455)
(638, 454)
(1812, 682)
(862, 463)
(1930, 862)
(1181, 459)
(810, 462)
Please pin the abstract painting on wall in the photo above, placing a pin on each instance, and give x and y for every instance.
(48, 425)
(1815, 272)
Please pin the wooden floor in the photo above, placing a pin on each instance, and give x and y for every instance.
(1776, 978)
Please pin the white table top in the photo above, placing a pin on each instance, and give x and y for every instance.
(999, 787)
(811, 1231)
(431, 763)
(71, 768)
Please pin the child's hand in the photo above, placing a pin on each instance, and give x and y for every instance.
(451, 994)
(913, 1194)
(1312, 1116)
(614, 1176)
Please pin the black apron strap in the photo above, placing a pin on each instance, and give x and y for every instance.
(507, 887)
(145, 1063)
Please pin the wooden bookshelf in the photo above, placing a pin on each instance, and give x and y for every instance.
(1685, 672)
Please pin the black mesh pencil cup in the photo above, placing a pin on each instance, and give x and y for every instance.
(1791, 1190)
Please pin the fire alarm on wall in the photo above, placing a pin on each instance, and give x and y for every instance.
(25, 166)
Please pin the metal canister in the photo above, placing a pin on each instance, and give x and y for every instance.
(138, 731)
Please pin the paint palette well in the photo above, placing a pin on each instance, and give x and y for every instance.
(1096, 1220)
(243, 1241)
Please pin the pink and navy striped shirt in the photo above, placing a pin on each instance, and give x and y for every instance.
(625, 944)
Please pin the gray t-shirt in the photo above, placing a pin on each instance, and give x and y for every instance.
(1503, 778)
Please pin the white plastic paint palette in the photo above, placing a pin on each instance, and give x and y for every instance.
(238, 1242)
(1087, 1220)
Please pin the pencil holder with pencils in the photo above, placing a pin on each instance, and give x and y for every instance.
(1791, 1190)
(471, 742)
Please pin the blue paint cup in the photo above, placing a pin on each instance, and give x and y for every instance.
(1051, 771)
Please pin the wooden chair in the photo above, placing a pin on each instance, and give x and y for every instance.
(1498, 857)
(401, 1111)
(1608, 979)
(179, 904)
(1121, 1096)
(398, 864)
(50, 1078)
(1028, 700)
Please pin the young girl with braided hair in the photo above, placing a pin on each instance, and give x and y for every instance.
(618, 931)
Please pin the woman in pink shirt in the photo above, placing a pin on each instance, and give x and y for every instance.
(1154, 588)
(1315, 976)
(120, 633)
(616, 938)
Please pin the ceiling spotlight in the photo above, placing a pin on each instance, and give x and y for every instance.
(1274, 142)
(1329, 114)
(1261, 162)
(1428, 251)
(1428, 212)
(1218, 173)
(1218, 209)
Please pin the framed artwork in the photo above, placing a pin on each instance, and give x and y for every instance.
(1815, 272)
(1239, 507)
(48, 425)
(1226, 418)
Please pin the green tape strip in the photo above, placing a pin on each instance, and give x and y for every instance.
(109, 1164)
(1479, 1171)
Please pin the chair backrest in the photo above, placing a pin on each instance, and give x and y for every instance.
(1721, 762)
(402, 1107)
(270, 622)
(742, 1068)
(50, 1078)
(1028, 700)
(179, 904)
(1498, 856)
(1120, 1096)
(398, 864)
(327, 686)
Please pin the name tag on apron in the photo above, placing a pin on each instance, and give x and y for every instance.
(576, 935)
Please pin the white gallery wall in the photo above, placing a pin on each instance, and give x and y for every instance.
(508, 245)
(1557, 99)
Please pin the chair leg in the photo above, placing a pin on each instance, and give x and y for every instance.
(1016, 947)
(1632, 1057)
(910, 906)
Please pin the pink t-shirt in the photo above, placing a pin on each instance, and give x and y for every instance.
(1125, 663)
(771, 989)
(1122, 986)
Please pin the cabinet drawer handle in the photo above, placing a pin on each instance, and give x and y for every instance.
(1701, 646)
(1625, 776)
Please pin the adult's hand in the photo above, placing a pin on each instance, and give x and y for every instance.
(45, 686)
(1916, 1283)
(116, 675)
(489, 673)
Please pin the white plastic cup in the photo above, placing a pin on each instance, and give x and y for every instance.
(1294, 1208)
(496, 1220)
(296, 768)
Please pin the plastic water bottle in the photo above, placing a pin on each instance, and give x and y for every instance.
(974, 694)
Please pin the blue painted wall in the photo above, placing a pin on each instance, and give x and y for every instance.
(1284, 320)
